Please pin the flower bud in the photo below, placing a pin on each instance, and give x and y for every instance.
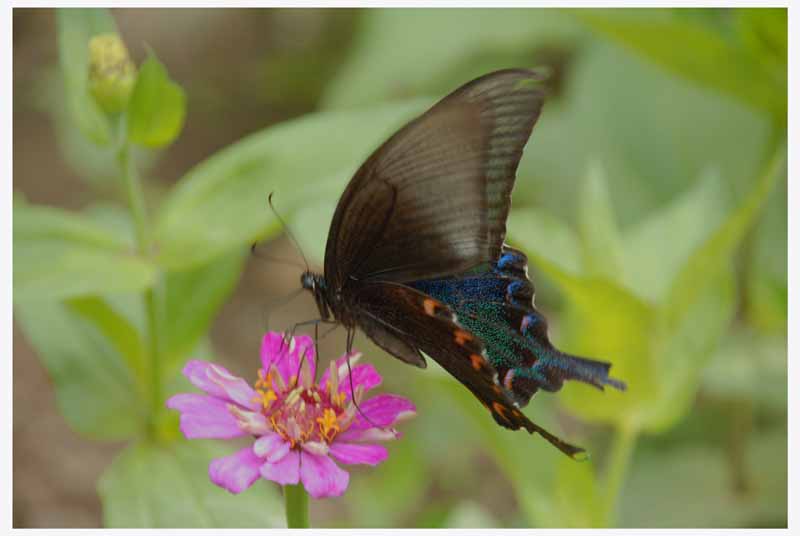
(112, 74)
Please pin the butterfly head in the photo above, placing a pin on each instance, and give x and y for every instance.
(315, 283)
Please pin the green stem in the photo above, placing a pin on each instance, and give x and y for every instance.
(135, 193)
(133, 185)
(296, 504)
(619, 460)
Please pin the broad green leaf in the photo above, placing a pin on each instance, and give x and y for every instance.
(311, 224)
(749, 366)
(767, 273)
(95, 390)
(555, 245)
(706, 260)
(193, 299)
(150, 486)
(222, 203)
(441, 48)
(600, 240)
(683, 349)
(699, 52)
(604, 321)
(691, 486)
(528, 461)
(60, 254)
(75, 28)
(389, 504)
(157, 107)
(119, 332)
(577, 498)
(654, 133)
(659, 247)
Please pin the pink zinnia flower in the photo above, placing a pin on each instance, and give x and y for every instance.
(298, 424)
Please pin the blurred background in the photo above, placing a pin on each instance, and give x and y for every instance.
(651, 201)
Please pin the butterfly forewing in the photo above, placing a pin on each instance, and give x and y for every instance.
(440, 187)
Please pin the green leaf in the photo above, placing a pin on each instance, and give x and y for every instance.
(310, 224)
(604, 321)
(149, 486)
(59, 254)
(683, 349)
(600, 240)
(222, 203)
(657, 248)
(767, 266)
(119, 332)
(95, 391)
(442, 48)
(555, 245)
(699, 52)
(705, 262)
(692, 487)
(157, 107)
(576, 495)
(654, 134)
(75, 28)
(193, 299)
(389, 504)
(749, 366)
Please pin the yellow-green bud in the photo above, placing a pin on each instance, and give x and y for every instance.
(112, 74)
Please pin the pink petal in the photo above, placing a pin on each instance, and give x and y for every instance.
(236, 472)
(284, 471)
(352, 453)
(217, 381)
(271, 447)
(322, 477)
(341, 367)
(383, 410)
(205, 417)
(235, 388)
(286, 357)
(369, 435)
(364, 374)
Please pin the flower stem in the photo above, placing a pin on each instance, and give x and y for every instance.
(620, 457)
(296, 503)
(135, 193)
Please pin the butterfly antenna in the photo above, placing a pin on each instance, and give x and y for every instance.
(257, 253)
(287, 230)
(279, 302)
(353, 395)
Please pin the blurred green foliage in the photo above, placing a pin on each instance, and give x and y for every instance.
(640, 202)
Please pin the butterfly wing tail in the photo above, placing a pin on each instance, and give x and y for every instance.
(552, 369)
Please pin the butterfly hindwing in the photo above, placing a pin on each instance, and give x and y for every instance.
(431, 326)
(439, 187)
(496, 303)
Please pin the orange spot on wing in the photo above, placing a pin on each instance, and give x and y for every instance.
(478, 361)
(430, 306)
(500, 409)
(463, 337)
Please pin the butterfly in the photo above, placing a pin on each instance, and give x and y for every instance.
(416, 257)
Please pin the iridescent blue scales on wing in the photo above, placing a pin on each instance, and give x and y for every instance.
(495, 302)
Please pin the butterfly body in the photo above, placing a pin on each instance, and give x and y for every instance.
(416, 257)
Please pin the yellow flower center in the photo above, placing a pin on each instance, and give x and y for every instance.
(301, 413)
